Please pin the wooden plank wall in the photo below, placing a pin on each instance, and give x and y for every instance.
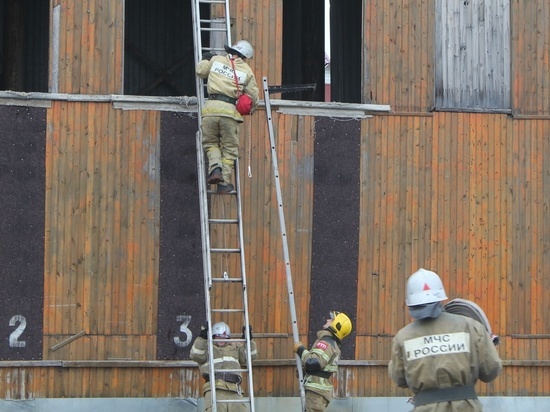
(101, 245)
(399, 48)
(530, 57)
(464, 194)
(90, 46)
(261, 23)
(398, 53)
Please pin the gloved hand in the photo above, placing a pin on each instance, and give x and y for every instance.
(495, 339)
(207, 56)
(297, 346)
(249, 332)
(204, 330)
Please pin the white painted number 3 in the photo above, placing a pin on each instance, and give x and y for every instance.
(185, 319)
(14, 336)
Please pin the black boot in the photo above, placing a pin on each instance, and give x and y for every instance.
(215, 176)
(226, 189)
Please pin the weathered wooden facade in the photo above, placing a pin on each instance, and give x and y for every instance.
(368, 200)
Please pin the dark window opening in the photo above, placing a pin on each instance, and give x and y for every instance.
(304, 49)
(346, 45)
(24, 45)
(158, 48)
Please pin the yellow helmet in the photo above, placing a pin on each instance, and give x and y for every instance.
(340, 325)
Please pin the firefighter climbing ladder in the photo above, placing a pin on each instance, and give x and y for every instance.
(222, 26)
(219, 281)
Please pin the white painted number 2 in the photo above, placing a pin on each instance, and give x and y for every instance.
(185, 319)
(14, 336)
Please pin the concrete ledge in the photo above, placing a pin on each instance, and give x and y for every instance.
(397, 404)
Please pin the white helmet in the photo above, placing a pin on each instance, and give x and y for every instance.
(221, 329)
(242, 47)
(424, 287)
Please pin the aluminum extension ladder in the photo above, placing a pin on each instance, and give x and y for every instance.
(222, 236)
(286, 255)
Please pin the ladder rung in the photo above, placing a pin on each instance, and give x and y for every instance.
(225, 250)
(240, 400)
(232, 370)
(220, 49)
(235, 340)
(227, 310)
(215, 192)
(223, 220)
(220, 22)
(212, 1)
(227, 279)
(213, 29)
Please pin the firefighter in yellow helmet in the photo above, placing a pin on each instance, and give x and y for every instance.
(440, 355)
(321, 361)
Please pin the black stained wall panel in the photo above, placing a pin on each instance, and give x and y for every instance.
(346, 32)
(181, 308)
(335, 224)
(22, 186)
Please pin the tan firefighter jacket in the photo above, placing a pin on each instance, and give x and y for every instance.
(229, 356)
(221, 80)
(326, 350)
(449, 351)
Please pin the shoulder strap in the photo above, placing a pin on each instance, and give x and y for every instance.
(235, 76)
(331, 340)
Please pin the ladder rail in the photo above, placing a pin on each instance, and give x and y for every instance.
(203, 196)
(245, 289)
(282, 224)
(205, 236)
(203, 199)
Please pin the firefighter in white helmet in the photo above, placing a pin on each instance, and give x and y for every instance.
(228, 77)
(440, 356)
(321, 362)
(227, 355)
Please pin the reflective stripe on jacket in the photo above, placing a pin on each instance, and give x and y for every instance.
(229, 356)
(327, 352)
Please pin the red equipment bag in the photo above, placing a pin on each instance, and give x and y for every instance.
(244, 101)
(244, 104)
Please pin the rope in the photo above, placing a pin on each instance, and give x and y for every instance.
(249, 136)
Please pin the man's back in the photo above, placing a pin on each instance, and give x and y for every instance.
(451, 350)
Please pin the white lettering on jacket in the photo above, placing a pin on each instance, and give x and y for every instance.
(227, 71)
(434, 345)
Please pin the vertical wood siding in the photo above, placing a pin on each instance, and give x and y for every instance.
(464, 194)
(530, 57)
(398, 54)
(269, 306)
(261, 23)
(90, 47)
(472, 54)
(102, 214)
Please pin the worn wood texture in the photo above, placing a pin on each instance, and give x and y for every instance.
(464, 194)
(399, 55)
(472, 54)
(91, 46)
(102, 202)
